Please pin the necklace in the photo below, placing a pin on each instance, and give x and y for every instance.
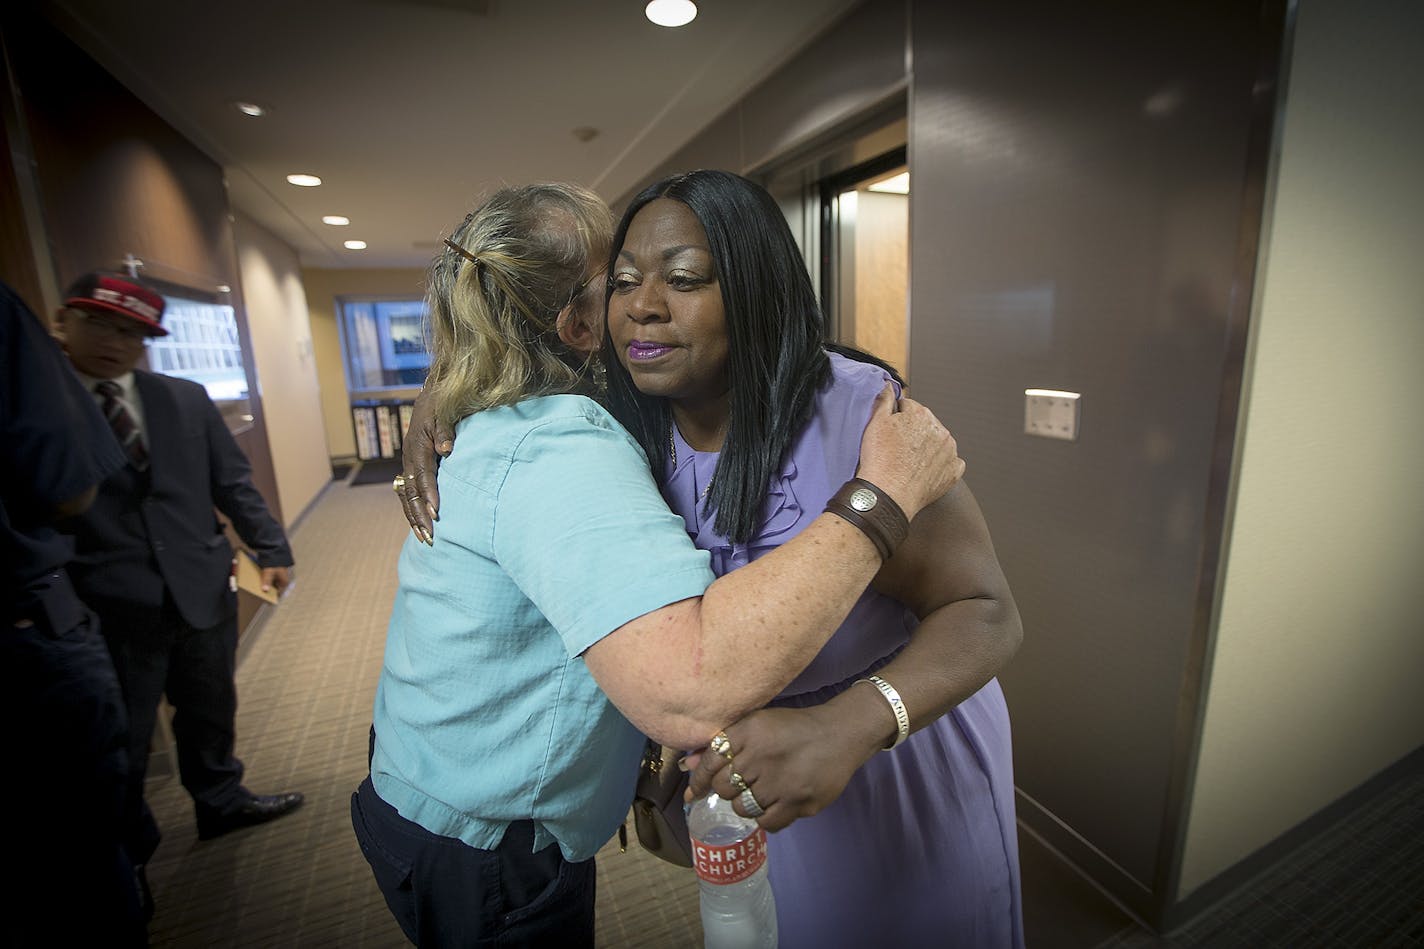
(672, 450)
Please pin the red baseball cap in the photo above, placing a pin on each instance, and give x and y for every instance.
(116, 293)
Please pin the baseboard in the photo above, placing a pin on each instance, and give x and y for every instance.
(1122, 888)
(307, 509)
(248, 635)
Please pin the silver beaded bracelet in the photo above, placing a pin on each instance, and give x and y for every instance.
(902, 717)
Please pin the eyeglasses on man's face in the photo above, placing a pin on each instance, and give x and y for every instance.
(106, 327)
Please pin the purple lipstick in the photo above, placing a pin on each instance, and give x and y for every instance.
(641, 351)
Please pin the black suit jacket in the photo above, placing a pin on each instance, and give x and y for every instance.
(148, 533)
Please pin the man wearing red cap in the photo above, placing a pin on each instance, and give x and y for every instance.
(153, 560)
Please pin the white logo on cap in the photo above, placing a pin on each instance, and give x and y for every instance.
(126, 301)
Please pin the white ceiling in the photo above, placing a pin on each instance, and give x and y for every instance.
(409, 110)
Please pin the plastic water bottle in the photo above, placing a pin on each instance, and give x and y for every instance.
(729, 855)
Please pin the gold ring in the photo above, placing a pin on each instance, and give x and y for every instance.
(750, 805)
(398, 484)
(722, 745)
(738, 782)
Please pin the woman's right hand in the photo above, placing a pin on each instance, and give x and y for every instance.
(796, 761)
(908, 453)
(426, 442)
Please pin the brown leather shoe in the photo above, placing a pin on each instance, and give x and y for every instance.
(257, 809)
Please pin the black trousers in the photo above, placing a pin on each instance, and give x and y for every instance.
(63, 793)
(444, 892)
(157, 653)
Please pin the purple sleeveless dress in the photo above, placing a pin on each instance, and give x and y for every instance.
(921, 849)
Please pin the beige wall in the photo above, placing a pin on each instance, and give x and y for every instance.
(1320, 643)
(322, 289)
(286, 369)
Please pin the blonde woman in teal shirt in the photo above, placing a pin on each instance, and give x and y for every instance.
(562, 610)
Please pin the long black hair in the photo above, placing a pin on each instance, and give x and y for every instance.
(776, 354)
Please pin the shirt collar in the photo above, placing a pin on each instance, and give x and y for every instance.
(125, 381)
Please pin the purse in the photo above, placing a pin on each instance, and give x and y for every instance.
(658, 814)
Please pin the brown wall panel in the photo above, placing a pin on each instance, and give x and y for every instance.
(1078, 197)
(114, 179)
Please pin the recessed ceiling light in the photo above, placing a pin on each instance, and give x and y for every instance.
(304, 181)
(671, 12)
(223, 288)
(250, 108)
(896, 184)
(355, 245)
(336, 220)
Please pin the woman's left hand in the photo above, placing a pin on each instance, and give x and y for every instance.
(796, 761)
(427, 440)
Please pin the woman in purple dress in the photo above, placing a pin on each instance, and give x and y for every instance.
(916, 846)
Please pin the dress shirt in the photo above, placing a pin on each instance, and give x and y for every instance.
(129, 395)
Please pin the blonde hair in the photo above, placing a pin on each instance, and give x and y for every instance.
(494, 294)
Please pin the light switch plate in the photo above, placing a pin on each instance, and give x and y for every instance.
(1051, 413)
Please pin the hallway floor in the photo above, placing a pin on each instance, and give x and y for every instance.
(306, 683)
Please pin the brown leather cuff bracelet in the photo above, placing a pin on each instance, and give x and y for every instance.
(874, 512)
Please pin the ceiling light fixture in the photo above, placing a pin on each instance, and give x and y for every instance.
(671, 12)
(336, 220)
(250, 108)
(355, 245)
(303, 181)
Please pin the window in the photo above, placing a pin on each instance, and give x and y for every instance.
(384, 341)
(203, 346)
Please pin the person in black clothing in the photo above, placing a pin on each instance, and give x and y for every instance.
(70, 880)
(152, 558)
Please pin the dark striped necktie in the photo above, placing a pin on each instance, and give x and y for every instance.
(116, 410)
